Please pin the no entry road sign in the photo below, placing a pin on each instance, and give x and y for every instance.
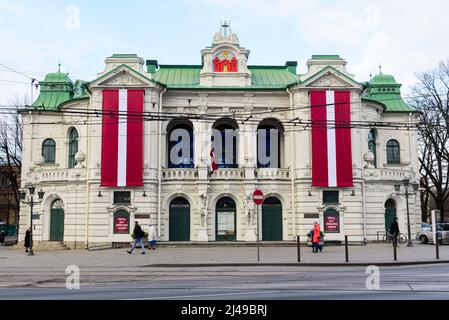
(258, 197)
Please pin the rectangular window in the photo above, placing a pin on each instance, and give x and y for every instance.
(122, 197)
(330, 197)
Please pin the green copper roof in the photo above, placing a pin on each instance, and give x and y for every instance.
(57, 77)
(187, 76)
(55, 89)
(383, 79)
(385, 90)
(326, 57)
(124, 55)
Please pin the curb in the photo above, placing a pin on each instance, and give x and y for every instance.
(297, 264)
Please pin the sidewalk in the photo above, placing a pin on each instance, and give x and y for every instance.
(378, 254)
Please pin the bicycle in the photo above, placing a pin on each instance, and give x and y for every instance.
(388, 237)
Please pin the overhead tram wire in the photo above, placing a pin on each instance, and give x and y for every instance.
(272, 108)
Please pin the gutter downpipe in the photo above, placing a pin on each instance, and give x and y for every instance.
(159, 165)
(292, 148)
(363, 187)
(86, 239)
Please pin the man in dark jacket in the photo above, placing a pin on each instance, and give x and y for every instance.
(394, 231)
(138, 237)
(27, 243)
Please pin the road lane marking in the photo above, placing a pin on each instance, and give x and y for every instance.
(202, 295)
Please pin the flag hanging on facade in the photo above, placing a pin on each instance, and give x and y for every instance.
(122, 138)
(213, 164)
(331, 139)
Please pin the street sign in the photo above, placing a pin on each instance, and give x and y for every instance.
(258, 197)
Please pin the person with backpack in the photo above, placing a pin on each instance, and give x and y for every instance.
(138, 237)
(316, 238)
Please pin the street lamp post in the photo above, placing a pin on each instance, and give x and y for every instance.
(406, 183)
(22, 195)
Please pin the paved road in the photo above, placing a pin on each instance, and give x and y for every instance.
(235, 283)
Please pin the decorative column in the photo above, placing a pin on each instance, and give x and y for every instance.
(203, 210)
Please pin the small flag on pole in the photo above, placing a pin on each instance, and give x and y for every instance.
(213, 164)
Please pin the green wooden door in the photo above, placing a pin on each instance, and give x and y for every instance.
(390, 213)
(226, 220)
(179, 220)
(57, 225)
(272, 220)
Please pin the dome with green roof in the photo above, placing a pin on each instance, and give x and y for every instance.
(383, 79)
(55, 89)
(384, 89)
(57, 77)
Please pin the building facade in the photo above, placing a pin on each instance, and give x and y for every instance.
(65, 142)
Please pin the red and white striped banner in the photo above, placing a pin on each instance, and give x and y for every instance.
(331, 139)
(122, 138)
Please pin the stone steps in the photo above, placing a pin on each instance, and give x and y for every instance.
(49, 246)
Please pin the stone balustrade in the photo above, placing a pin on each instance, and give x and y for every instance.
(273, 174)
(229, 174)
(179, 174)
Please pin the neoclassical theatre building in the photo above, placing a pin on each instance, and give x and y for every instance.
(101, 150)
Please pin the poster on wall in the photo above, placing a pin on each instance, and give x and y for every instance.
(331, 222)
(121, 224)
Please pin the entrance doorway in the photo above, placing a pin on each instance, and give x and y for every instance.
(179, 220)
(272, 220)
(57, 221)
(390, 212)
(226, 220)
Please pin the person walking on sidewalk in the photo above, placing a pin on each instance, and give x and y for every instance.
(394, 231)
(316, 238)
(138, 237)
(27, 243)
(152, 238)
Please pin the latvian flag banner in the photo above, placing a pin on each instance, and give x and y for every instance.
(331, 139)
(122, 138)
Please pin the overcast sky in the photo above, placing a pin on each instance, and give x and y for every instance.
(406, 37)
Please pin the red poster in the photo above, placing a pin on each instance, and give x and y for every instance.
(331, 224)
(121, 225)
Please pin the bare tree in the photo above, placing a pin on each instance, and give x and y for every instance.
(431, 97)
(11, 134)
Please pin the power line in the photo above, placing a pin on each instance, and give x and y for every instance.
(18, 72)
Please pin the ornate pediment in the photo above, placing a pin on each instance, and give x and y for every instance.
(123, 76)
(330, 78)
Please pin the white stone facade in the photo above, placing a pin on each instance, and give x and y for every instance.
(89, 217)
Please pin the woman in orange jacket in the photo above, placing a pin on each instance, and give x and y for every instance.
(316, 238)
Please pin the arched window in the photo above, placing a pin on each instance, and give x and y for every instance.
(270, 137)
(224, 143)
(372, 145)
(49, 150)
(180, 144)
(73, 147)
(393, 152)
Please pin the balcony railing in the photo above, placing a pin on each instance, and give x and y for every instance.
(61, 175)
(229, 174)
(386, 174)
(179, 174)
(273, 174)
